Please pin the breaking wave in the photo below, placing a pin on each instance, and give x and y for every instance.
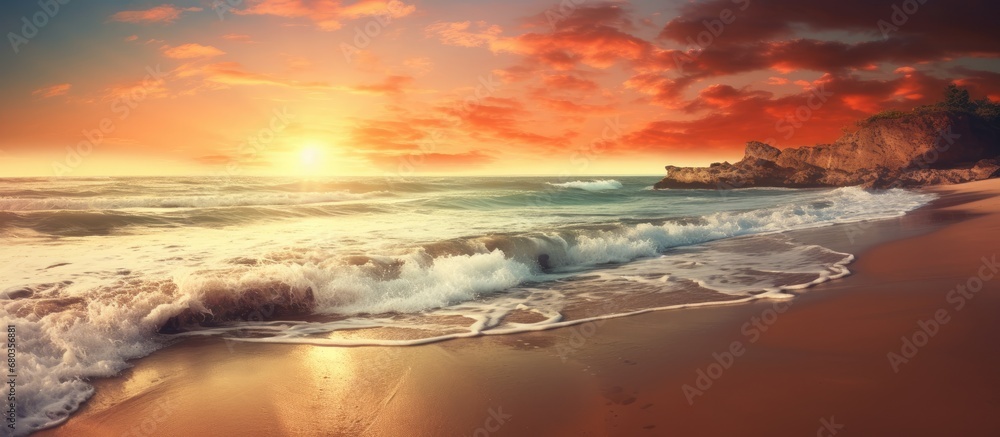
(90, 325)
(600, 185)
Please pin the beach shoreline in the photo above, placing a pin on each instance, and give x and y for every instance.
(820, 361)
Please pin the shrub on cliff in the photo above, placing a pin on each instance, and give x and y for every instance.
(989, 111)
(956, 99)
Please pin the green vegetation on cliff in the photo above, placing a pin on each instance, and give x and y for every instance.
(956, 99)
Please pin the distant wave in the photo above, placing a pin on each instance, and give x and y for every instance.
(601, 185)
(208, 201)
(81, 330)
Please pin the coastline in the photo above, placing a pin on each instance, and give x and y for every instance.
(824, 356)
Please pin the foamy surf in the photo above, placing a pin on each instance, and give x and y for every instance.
(447, 259)
(713, 274)
(598, 185)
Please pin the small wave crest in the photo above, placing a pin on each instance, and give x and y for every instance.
(598, 185)
(487, 284)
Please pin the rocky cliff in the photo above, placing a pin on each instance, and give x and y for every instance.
(906, 150)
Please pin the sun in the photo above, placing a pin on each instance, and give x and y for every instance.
(311, 159)
(310, 156)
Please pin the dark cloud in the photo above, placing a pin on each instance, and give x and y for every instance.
(815, 114)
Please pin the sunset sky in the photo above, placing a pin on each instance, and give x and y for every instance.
(294, 87)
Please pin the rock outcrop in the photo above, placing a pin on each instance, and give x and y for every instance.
(920, 148)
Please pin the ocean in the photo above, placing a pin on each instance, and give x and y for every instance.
(99, 271)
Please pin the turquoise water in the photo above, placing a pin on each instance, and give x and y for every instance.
(98, 271)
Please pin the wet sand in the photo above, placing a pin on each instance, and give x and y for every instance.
(816, 365)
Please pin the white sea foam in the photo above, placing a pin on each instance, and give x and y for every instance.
(71, 332)
(60, 350)
(599, 185)
(775, 267)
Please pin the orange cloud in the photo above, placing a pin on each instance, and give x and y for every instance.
(394, 135)
(373, 8)
(390, 85)
(327, 15)
(158, 14)
(147, 88)
(982, 82)
(458, 34)
(237, 37)
(815, 115)
(665, 91)
(420, 65)
(568, 82)
(232, 73)
(595, 36)
(52, 91)
(563, 105)
(297, 63)
(192, 50)
(500, 119)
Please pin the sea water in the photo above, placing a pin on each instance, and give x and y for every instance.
(95, 272)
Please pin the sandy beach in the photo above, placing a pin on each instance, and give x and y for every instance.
(477, 219)
(893, 349)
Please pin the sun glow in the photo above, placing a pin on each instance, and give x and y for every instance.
(310, 155)
(311, 158)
